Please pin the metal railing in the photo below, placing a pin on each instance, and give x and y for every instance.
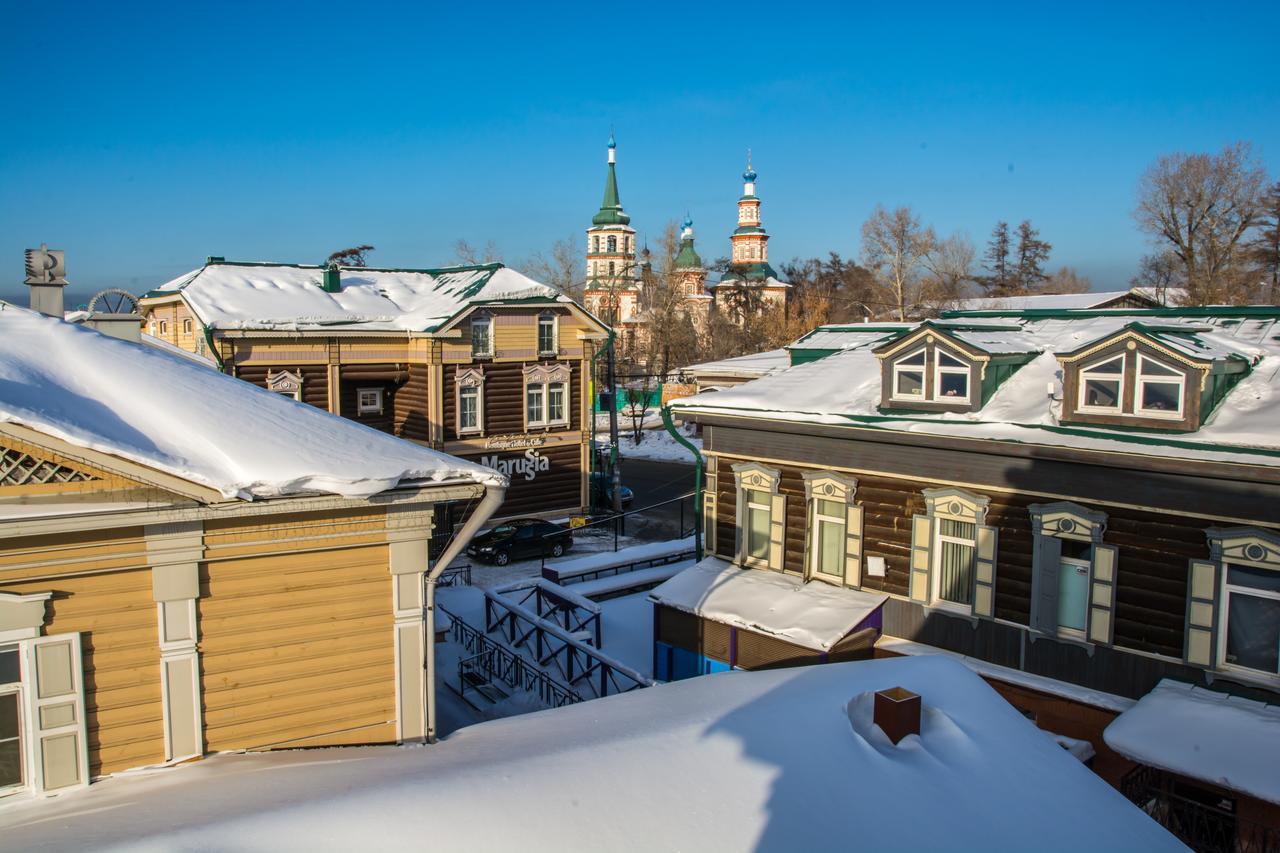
(582, 665)
(618, 521)
(491, 661)
(455, 576)
(553, 575)
(1201, 827)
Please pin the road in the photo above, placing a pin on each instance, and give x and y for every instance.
(655, 482)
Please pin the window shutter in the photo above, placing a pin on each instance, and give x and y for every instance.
(1102, 594)
(708, 522)
(1047, 562)
(1202, 613)
(853, 545)
(56, 706)
(921, 557)
(777, 530)
(984, 572)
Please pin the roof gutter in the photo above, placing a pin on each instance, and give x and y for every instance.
(493, 497)
(697, 480)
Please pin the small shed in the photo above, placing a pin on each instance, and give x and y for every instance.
(715, 617)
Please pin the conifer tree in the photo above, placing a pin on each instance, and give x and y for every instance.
(1032, 253)
(996, 262)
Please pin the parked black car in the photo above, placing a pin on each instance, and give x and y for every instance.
(520, 539)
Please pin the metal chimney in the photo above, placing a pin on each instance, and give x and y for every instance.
(897, 712)
(46, 276)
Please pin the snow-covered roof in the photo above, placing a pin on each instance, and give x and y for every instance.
(283, 296)
(753, 364)
(1048, 300)
(814, 615)
(845, 389)
(1225, 740)
(168, 413)
(845, 337)
(781, 760)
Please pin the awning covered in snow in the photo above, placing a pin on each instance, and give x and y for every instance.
(1225, 740)
(814, 615)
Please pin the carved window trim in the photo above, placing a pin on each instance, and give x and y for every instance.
(544, 380)
(1210, 590)
(1051, 524)
(926, 551)
(754, 477)
(471, 378)
(280, 382)
(837, 488)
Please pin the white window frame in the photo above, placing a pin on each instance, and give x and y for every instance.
(816, 519)
(369, 408)
(939, 369)
(538, 390)
(936, 557)
(15, 688)
(470, 379)
(1178, 378)
(164, 327)
(551, 319)
(186, 327)
(922, 369)
(541, 379)
(485, 320)
(1082, 381)
(1225, 591)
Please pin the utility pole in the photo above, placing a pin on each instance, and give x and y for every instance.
(615, 475)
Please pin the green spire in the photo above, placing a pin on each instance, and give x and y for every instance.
(687, 257)
(611, 208)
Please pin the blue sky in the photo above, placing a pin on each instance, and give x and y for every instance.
(142, 137)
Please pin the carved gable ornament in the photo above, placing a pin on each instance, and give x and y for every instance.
(285, 382)
(1068, 520)
(752, 475)
(827, 485)
(957, 504)
(471, 377)
(1249, 544)
(539, 373)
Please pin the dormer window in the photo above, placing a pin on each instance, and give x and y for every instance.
(908, 377)
(1160, 389)
(1102, 385)
(952, 381)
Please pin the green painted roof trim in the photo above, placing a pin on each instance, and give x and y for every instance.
(874, 421)
(749, 229)
(1271, 311)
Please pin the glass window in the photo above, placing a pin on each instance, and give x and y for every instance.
(10, 740)
(945, 360)
(908, 376)
(1073, 585)
(186, 327)
(954, 570)
(758, 511)
(953, 385)
(547, 334)
(369, 401)
(481, 337)
(10, 670)
(1102, 384)
(1253, 618)
(534, 395)
(829, 536)
(613, 245)
(555, 403)
(468, 408)
(1160, 389)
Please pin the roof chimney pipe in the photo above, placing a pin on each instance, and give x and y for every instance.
(332, 282)
(46, 276)
(897, 713)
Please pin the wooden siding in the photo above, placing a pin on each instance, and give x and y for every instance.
(558, 488)
(116, 617)
(412, 403)
(315, 380)
(1151, 570)
(504, 399)
(297, 650)
(173, 314)
(388, 378)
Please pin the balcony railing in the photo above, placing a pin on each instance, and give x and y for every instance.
(1201, 827)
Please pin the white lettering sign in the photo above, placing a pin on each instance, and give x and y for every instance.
(513, 442)
(527, 465)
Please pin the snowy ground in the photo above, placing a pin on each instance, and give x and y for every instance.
(657, 445)
(585, 541)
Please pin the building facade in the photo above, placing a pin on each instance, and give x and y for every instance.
(479, 362)
(751, 284)
(1081, 502)
(190, 565)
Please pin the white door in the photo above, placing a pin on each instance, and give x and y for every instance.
(55, 699)
(13, 774)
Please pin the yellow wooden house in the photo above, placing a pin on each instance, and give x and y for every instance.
(190, 564)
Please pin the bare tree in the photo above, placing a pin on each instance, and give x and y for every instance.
(561, 267)
(353, 257)
(950, 268)
(469, 255)
(1066, 280)
(1201, 206)
(1159, 273)
(894, 246)
(1265, 248)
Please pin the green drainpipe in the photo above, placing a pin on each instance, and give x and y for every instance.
(213, 350)
(697, 480)
(595, 396)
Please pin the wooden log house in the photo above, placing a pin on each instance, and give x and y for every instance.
(479, 361)
(1081, 502)
(190, 565)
